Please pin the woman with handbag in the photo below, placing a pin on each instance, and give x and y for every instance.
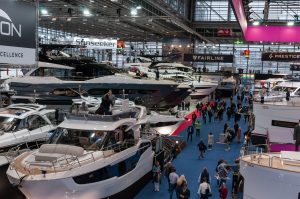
(204, 190)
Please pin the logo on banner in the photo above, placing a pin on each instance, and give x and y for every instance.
(8, 28)
(271, 56)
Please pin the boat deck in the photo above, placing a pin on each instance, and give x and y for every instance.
(285, 160)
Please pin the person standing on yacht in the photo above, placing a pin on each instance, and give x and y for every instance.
(111, 97)
(288, 95)
(297, 136)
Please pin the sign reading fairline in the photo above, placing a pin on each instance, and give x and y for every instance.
(208, 58)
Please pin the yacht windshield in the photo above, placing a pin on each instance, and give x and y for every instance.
(89, 140)
(284, 89)
(8, 123)
(51, 72)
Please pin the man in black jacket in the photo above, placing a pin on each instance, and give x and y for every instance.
(297, 136)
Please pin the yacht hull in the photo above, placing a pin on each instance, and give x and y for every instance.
(151, 94)
(67, 186)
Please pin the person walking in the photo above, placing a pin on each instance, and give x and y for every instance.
(239, 135)
(204, 190)
(225, 128)
(210, 114)
(190, 132)
(173, 177)
(236, 127)
(202, 148)
(180, 183)
(288, 95)
(184, 193)
(167, 173)
(194, 117)
(204, 175)
(156, 175)
(223, 191)
(210, 141)
(198, 126)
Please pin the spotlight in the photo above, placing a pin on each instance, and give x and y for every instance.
(133, 12)
(290, 23)
(86, 12)
(255, 23)
(139, 7)
(44, 12)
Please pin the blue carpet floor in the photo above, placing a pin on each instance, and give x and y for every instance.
(188, 164)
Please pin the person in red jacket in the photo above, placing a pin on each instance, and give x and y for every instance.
(223, 191)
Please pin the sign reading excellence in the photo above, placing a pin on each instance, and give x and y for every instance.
(208, 58)
(17, 32)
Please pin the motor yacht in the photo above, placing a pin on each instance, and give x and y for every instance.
(226, 87)
(52, 87)
(87, 157)
(279, 171)
(278, 92)
(22, 125)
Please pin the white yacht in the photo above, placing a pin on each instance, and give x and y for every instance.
(271, 175)
(87, 157)
(48, 85)
(24, 124)
(275, 122)
(226, 87)
(278, 92)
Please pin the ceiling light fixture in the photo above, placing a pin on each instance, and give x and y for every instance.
(86, 12)
(44, 12)
(133, 11)
(139, 7)
(255, 23)
(290, 23)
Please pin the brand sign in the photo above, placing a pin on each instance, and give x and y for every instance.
(96, 43)
(208, 58)
(284, 124)
(17, 32)
(281, 56)
(294, 67)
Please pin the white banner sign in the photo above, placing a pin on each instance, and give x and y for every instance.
(16, 55)
(95, 43)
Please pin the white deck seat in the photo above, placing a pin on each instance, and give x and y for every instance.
(47, 157)
(62, 149)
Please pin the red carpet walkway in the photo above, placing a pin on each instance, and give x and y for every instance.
(185, 123)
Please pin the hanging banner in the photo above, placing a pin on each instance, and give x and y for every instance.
(281, 56)
(95, 43)
(17, 32)
(208, 58)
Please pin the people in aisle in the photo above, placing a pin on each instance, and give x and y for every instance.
(173, 177)
(184, 192)
(194, 117)
(167, 172)
(180, 183)
(204, 175)
(156, 175)
(190, 132)
(202, 148)
(204, 190)
(198, 127)
(210, 140)
(223, 191)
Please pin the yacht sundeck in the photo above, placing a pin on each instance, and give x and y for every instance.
(87, 157)
(52, 89)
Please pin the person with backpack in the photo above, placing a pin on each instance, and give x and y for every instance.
(204, 190)
(202, 148)
(204, 175)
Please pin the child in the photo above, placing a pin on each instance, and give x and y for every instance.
(210, 140)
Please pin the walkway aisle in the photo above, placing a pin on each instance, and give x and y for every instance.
(187, 162)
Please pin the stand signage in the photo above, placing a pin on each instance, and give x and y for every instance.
(17, 33)
(281, 56)
(95, 43)
(208, 58)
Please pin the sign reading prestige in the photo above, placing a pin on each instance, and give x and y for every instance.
(17, 32)
(96, 43)
(281, 56)
(208, 58)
